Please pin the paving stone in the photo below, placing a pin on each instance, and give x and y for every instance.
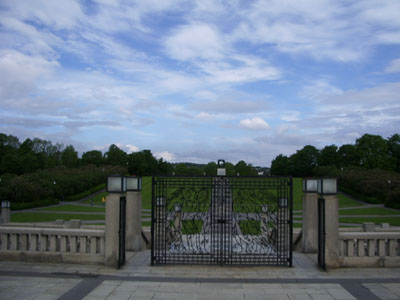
(340, 294)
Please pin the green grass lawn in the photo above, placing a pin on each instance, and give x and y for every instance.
(45, 217)
(369, 211)
(96, 199)
(146, 192)
(394, 221)
(345, 201)
(297, 194)
(76, 208)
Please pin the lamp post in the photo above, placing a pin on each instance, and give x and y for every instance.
(115, 229)
(389, 182)
(309, 241)
(328, 223)
(5, 211)
(221, 171)
(134, 211)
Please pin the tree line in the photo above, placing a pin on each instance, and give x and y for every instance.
(37, 154)
(368, 152)
(368, 169)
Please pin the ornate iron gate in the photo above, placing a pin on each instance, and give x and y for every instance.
(321, 233)
(222, 220)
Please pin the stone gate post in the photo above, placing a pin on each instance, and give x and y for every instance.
(111, 250)
(327, 189)
(309, 242)
(5, 211)
(133, 213)
(133, 221)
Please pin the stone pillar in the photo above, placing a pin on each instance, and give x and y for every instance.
(331, 231)
(111, 251)
(309, 242)
(134, 221)
(5, 211)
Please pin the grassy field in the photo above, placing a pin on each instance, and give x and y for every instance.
(74, 208)
(369, 211)
(394, 221)
(198, 199)
(48, 217)
(96, 199)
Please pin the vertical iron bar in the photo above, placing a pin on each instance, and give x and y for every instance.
(291, 223)
(153, 220)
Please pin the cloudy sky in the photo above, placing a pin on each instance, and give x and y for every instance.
(200, 80)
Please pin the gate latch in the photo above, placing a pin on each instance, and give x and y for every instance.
(221, 221)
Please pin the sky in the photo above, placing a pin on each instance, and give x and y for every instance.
(200, 80)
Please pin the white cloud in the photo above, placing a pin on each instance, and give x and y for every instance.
(132, 148)
(165, 155)
(255, 123)
(204, 116)
(19, 73)
(393, 67)
(194, 41)
(323, 29)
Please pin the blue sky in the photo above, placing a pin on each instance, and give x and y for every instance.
(200, 80)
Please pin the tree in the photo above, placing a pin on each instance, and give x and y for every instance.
(304, 161)
(280, 165)
(211, 169)
(94, 157)
(328, 156)
(394, 149)
(142, 163)
(374, 152)
(348, 155)
(245, 169)
(115, 156)
(69, 157)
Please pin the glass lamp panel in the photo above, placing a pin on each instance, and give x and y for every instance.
(5, 204)
(132, 183)
(330, 186)
(312, 185)
(221, 172)
(114, 184)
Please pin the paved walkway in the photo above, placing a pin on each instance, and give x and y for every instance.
(138, 280)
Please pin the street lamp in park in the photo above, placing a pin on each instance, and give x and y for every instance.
(221, 171)
(389, 182)
(327, 186)
(133, 183)
(310, 185)
(116, 184)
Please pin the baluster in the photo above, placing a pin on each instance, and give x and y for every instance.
(83, 246)
(13, 241)
(350, 248)
(382, 249)
(4, 241)
(72, 244)
(371, 247)
(53, 243)
(360, 248)
(392, 247)
(43, 243)
(93, 245)
(23, 239)
(63, 243)
(33, 241)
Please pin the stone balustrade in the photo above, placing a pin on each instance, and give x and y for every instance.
(52, 244)
(369, 249)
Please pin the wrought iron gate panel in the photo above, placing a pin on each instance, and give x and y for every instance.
(222, 220)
